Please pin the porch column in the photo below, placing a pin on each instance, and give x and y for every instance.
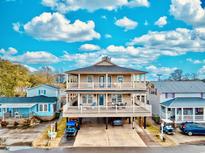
(182, 114)
(166, 116)
(140, 78)
(79, 81)
(79, 100)
(67, 99)
(132, 76)
(145, 123)
(145, 99)
(175, 114)
(106, 80)
(193, 110)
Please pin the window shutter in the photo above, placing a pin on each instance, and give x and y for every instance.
(39, 92)
(37, 108)
(44, 92)
(49, 107)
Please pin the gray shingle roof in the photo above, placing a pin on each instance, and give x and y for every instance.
(179, 86)
(35, 99)
(185, 102)
(104, 68)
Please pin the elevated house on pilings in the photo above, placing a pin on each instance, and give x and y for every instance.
(106, 90)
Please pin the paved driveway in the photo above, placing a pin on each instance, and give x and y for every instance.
(95, 135)
(179, 138)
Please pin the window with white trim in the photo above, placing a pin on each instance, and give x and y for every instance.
(43, 107)
(90, 78)
(117, 98)
(41, 92)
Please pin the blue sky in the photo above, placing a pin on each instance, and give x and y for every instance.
(157, 36)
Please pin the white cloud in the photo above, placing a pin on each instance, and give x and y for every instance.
(55, 27)
(16, 27)
(31, 69)
(9, 51)
(108, 36)
(172, 43)
(29, 57)
(196, 61)
(36, 57)
(89, 47)
(162, 21)
(126, 23)
(189, 11)
(163, 71)
(201, 72)
(92, 5)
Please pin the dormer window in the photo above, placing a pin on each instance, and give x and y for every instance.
(41, 92)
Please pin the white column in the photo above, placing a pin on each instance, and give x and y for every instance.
(132, 77)
(145, 99)
(166, 116)
(79, 100)
(193, 114)
(106, 80)
(182, 114)
(140, 78)
(79, 81)
(67, 99)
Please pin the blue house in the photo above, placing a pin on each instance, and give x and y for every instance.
(41, 101)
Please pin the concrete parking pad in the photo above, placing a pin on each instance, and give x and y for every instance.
(95, 135)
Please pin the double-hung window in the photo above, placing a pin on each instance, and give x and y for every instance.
(117, 99)
(43, 107)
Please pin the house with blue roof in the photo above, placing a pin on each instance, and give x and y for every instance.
(41, 101)
(178, 101)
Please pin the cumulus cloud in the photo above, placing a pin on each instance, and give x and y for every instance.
(189, 11)
(174, 42)
(89, 47)
(162, 21)
(16, 27)
(163, 71)
(92, 5)
(29, 57)
(9, 51)
(196, 61)
(55, 27)
(126, 23)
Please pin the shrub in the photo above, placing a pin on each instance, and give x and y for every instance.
(156, 118)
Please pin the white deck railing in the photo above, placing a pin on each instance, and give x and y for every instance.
(105, 109)
(180, 118)
(113, 85)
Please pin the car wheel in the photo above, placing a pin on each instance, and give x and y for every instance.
(190, 133)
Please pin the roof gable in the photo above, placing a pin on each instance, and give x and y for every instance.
(44, 85)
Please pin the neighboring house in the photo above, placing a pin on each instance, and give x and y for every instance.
(178, 100)
(60, 78)
(40, 106)
(41, 101)
(44, 90)
(106, 90)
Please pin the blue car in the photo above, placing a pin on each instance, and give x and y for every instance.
(117, 122)
(168, 129)
(191, 128)
(71, 129)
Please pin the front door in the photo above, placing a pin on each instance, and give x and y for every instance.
(101, 100)
(102, 81)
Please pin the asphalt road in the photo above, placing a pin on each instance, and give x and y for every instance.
(176, 149)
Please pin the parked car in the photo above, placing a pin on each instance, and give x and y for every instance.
(168, 127)
(191, 128)
(71, 128)
(117, 122)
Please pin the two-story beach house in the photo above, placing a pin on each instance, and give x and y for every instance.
(106, 90)
(178, 101)
(41, 101)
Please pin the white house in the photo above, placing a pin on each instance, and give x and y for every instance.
(178, 100)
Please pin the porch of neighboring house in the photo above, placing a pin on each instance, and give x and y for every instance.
(184, 109)
(17, 110)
